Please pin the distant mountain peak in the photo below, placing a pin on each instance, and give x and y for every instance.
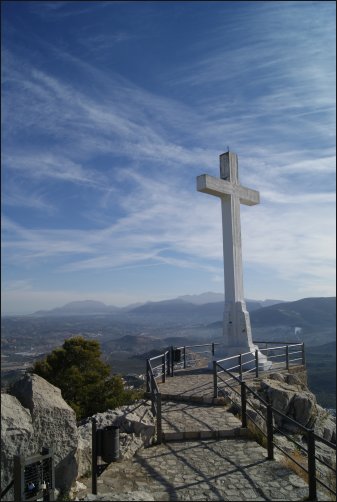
(200, 299)
(79, 307)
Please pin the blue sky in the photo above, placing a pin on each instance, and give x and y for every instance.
(109, 112)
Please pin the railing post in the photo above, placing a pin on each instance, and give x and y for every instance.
(303, 354)
(311, 465)
(240, 366)
(215, 381)
(287, 357)
(256, 363)
(148, 376)
(168, 362)
(153, 405)
(243, 405)
(172, 361)
(212, 349)
(184, 356)
(51, 492)
(163, 368)
(159, 426)
(270, 432)
(19, 483)
(94, 457)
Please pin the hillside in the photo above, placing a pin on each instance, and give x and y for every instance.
(191, 306)
(308, 312)
(321, 365)
(85, 307)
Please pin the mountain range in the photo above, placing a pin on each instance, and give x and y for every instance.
(185, 304)
(307, 313)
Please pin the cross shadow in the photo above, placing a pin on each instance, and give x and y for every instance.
(189, 413)
(174, 491)
(243, 469)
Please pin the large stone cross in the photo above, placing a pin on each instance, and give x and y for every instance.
(236, 327)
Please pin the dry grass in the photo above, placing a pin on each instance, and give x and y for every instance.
(256, 433)
(300, 459)
(329, 479)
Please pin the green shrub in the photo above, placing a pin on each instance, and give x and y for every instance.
(85, 380)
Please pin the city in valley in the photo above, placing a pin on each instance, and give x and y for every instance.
(128, 336)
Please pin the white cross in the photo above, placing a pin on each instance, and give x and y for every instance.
(237, 329)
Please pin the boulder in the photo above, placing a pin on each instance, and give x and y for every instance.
(325, 425)
(54, 424)
(137, 429)
(17, 438)
(292, 399)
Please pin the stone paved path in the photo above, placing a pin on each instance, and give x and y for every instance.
(225, 469)
(189, 384)
(198, 421)
(213, 460)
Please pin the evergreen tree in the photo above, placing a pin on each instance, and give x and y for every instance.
(84, 379)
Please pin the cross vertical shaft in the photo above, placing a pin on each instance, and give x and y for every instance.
(232, 254)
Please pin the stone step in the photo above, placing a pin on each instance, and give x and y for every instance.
(185, 421)
(194, 399)
(206, 434)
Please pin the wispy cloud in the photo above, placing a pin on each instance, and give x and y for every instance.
(59, 9)
(109, 164)
(46, 165)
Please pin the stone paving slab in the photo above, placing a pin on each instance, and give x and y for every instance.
(196, 384)
(223, 469)
(198, 421)
(189, 385)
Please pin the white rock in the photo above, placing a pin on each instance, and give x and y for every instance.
(54, 423)
(17, 438)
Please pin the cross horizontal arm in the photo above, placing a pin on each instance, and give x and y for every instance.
(219, 188)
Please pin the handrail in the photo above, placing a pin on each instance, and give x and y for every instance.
(155, 396)
(168, 359)
(311, 435)
(174, 355)
(199, 345)
(285, 343)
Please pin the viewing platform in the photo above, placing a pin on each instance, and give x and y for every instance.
(203, 450)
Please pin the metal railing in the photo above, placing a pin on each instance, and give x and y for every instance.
(34, 477)
(283, 356)
(240, 390)
(188, 357)
(185, 356)
(152, 390)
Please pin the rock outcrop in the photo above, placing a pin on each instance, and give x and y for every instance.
(40, 418)
(137, 429)
(290, 396)
(287, 394)
(17, 436)
(35, 415)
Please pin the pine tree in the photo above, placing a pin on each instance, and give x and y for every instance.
(85, 380)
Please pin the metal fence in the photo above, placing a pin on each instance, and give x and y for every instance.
(281, 357)
(152, 390)
(176, 358)
(239, 392)
(238, 368)
(34, 477)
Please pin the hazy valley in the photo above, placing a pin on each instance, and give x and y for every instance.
(129, 335)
